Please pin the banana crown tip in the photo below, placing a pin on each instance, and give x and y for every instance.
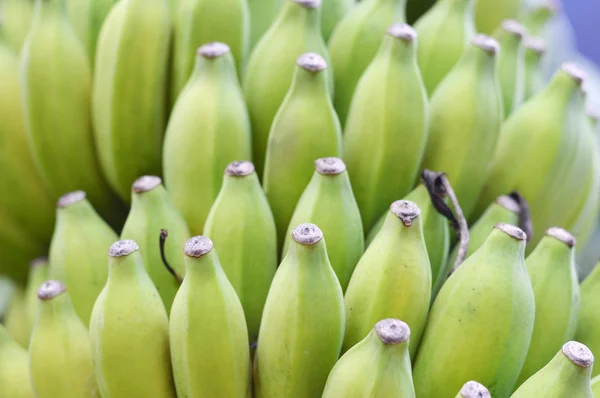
(508, 203)
(578, 353)
(123, 248)
(50, 289)
(535, 44)
(239, 168)
(146, 183)
(512, 231)
(392, 331)
(575, 72)
(69, 199)
(473, 389)
(197, 246)
(330, 166)
(562, 235)
(311, 62)
(38, 262)
(486, 43)
(307, 234)
(514, 28)
(402, 31)
(406, 211)
(213, 50)
(308, 3)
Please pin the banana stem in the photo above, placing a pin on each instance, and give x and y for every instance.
(163, 238)
(525, 221)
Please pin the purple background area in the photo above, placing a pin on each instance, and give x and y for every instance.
(585, 18)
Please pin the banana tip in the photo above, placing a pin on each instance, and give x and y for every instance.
(197, 246)
(536, 44)
(514, 27)
(122, 248)
(213, 50)
(406, 211)
(330, 166)
(307, 234)
(512, 231)
(308, 3)
(486, 43)
(146, 183)
(562, 235)
(392, 331)
(50, 289)
(239, 168)
(578, 353)
(473, 389)
(69, 199)
(508, 203)
(402, 31)
(575, 72)
(38, 262)
(311, 62)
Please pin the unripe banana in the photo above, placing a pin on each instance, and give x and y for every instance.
(535, 81)
(242, 227)
(333, 12)
(209, 340)
(304, 129)
(56, 89)
(130, 86)
(209, 128)
(16, 21)
(271, 69)
(78, 251)
(38, 273)
(463, 133)
(60, 354)
(15, 379)
(328, 201)
(15, 318)
(197, 22)
(473, 389)
(511, 64)
(129, 331)
(298, 346)
(444, 33)
(566, 375)
(262, 15)
(481, 321)
(354, 43)
(537, 17)
(595, 386)
(152, 211)
(87, 17)
(392, 278)
(386, 131)
(378, 366)
(551, 268)
(588, 324)
(489, 14)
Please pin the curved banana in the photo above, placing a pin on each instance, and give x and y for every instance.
(472, 389)
(15, 379)
(262, 15)
(242, 228)
(378, 366)
(38, 273)
(480, 322)
(87, 17)
(511, 64)
(130, 86)
(588, 324)
(535, 81)
(16, 21)
(298, 346)
(489, 14)
(209, 128)
(305, 128)
(333, 12)
(59, 352)
(129, 331)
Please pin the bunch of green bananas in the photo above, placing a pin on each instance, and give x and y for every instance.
(301, 245)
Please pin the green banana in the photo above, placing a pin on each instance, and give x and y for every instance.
(473, 389)
(489, 14)
(60, 354)
(511, 64)
(392, 278)
(78, 251)
(537, 17)
(551, 268)
(209, 128)
(152, 211)
(271, 69)
(298, 346)
(354, 43)
(56, 89)
(378, 366)
(16, 21)
(305, 128)
(481, 321)
(328, 201)
(241, 225)
(38, 273)
(566, 375)
(209, 340)
(535, 81)
(333, 12)
(87, 17)
(130, 85)
(444, 34)
(595, 386)
(262, 15)
(16, 250)
(15, 379)
(386, 131)
(467, 126)
(15, 318)
(129, 330)
(588, 323)
(197, 22)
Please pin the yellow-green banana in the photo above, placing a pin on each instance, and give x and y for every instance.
(15, 379)
(242, 227)
(333, 12)
(511, 64)
(588, 323)
(354, 43)
(566, 375)
(209, 128)
(16, 21)
(387, 127)
(378, 366)
(78, 251)
(392, 278)
(209, 340)
(15, 318)
(595, 385)
(473, 389)
(465, 119)
(328, 201)
(151, 212)
(87, 17)
(60, 354)
(535, 18)
(262, 15)
(130, 86)
(489, 14)
(305, 128)
(129, 331)
(535, 81)
(444, 33)
(298, 346)
(38, 273)
(271, 68)
(481, 321)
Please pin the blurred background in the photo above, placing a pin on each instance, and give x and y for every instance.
(584, 17)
